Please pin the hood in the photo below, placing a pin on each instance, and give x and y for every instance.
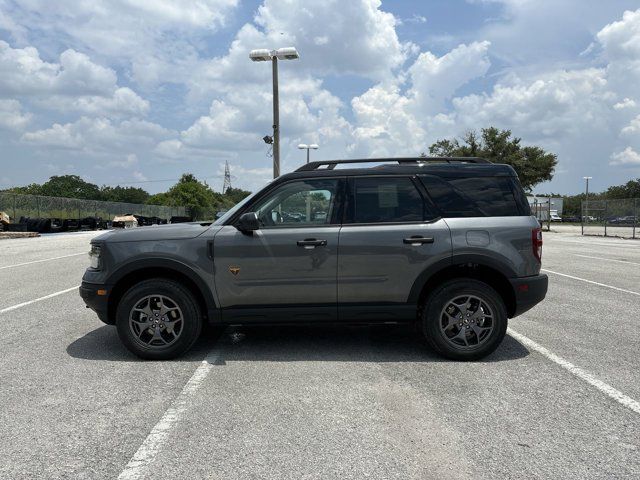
(175, 231)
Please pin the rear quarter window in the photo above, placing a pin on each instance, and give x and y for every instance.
(475, 196)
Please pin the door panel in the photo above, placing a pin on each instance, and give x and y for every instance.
(277, 280)
(377, 266)
(385, 244)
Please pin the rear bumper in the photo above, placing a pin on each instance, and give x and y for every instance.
(528, 291)
(94, 301)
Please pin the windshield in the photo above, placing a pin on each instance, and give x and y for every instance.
(234, 209)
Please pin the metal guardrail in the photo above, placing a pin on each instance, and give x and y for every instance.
(611, 218)
(37, 206)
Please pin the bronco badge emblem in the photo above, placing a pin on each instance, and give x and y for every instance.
(234, 270)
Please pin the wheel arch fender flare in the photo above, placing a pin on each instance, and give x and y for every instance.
(159, 264)
(462, 260)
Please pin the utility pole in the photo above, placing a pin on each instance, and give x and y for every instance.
(276, 120)
(263, 55)
(585, 213)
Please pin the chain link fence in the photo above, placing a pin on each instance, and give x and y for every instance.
(611, 218)
(37, 206)
(546, 209)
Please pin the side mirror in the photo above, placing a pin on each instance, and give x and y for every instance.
(248, 222)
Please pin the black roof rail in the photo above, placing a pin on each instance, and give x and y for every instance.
(331, 164)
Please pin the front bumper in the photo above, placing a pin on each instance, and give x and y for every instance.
(528, 291)
(96, 297)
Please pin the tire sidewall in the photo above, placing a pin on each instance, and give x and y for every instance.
(192, 323)
(460, 287)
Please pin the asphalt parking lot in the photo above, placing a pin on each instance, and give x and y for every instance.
(559, 398)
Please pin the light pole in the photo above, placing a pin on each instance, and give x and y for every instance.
(263, 55)
(586, 203)
(303, 146)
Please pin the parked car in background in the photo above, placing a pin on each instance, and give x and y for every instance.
(624, 220)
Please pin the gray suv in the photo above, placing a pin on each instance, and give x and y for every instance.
(446, 245)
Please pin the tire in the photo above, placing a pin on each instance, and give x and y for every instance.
(469, 306)
(178, 327)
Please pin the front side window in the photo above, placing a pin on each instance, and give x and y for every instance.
(386, 200)
(299, 203)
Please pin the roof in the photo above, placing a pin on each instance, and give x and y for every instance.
(443, 166)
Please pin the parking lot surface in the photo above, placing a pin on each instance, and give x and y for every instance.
(558, 399)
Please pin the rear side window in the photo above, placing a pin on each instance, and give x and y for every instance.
(474, 196)
(386, 200)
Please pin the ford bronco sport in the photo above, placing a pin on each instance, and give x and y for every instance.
(447, 245)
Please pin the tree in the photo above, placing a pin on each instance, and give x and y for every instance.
(631, 189)
(124, 194)
(189, 192)
(70, 186)
(236, 194)
(532, 164)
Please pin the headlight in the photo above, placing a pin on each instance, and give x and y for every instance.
(94, 257)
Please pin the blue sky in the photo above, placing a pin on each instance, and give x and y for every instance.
(125, 91)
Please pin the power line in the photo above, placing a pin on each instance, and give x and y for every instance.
(166, 180)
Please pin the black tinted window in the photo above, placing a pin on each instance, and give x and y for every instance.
(383, 200)
(472, 196)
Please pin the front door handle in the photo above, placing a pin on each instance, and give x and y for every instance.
(417, 240)
(310, 243)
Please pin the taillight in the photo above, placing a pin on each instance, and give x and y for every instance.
(536, 243)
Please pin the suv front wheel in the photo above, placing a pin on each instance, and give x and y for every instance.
(158, 319)
(464, 319)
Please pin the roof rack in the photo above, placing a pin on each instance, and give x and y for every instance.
(331, 164)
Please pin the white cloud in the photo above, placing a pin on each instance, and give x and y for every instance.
(633, 128)
(625, 103)
(621, 39)
(11, 115)
(100, 135)
(141, 177)
(358, 36)
(155, 38)
(23, 72)
(435, 79)
(75, 83)
(627, 157)
(122, 103)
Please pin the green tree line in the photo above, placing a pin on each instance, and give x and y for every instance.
(197, 196)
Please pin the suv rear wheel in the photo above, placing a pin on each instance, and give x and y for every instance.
(158, 319)
(464, 319)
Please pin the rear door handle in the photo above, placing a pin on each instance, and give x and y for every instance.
(417, 240)
(310, 243)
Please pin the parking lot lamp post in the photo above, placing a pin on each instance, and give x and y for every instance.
(263, 55)
(585, 214)
(306, 147)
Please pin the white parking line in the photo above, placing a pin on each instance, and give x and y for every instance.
(137, 466)
(605, 388)
(44, 260)
(588, 240)
(606, 259)
(51, 295)
(592, 282)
